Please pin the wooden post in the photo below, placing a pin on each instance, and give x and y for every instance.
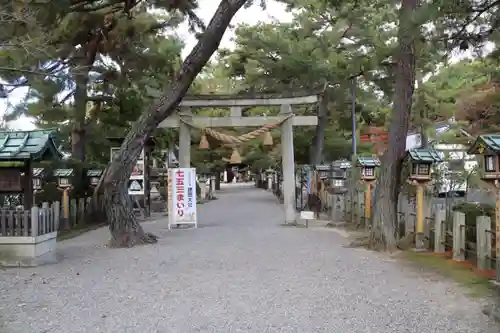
(27, 185)
(497, 233)
(368, 203)
(359, 208)
(419, 236)
(458, 236)
(427, 212)
(65, 208)
(439, 230)
(483, 240)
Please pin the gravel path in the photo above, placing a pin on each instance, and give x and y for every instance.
(238, 272)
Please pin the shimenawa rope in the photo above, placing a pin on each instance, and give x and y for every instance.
(225, 138)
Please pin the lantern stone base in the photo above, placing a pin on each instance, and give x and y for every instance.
(19, 251)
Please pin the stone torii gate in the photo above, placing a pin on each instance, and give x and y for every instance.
(236, 103)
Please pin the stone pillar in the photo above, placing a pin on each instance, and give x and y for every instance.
(458, 236)
(184, 141)
(212, 187)
(203, 189)
(419, 219)
(288, 166)
(270, 182)
(439, 230)
(483, 234)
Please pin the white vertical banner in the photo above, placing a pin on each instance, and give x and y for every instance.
(170, 208)
(182, 188)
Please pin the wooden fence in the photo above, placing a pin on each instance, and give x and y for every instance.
(47, 218)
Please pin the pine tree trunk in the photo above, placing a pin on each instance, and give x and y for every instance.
(87, 57)
(384, 227)
(124, 227)
(316, 153)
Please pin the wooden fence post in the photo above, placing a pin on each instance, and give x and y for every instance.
(483, 236)
(458, 236)
(34, 221)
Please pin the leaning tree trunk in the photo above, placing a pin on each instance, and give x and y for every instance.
(383, 234)
(124, 227)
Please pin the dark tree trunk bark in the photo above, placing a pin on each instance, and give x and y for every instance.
(384, 227)
(217, 180)
(86, 60)
(124, 227)
(424, 138)
(316, 152)
(79, 113)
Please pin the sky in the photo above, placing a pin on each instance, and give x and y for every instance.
(274, 12)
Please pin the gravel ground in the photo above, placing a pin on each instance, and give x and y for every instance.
(238, 272)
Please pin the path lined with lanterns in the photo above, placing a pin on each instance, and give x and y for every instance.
(240, 270)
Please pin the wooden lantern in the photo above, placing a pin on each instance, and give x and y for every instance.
(421, 160)
(488, 146)
(64, 177)
(368, 164)
(339, 173)
(94, 176)
(38, 174)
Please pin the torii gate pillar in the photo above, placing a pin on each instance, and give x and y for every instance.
(288, 164)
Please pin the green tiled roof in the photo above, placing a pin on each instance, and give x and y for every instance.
(63, 172)
(94, 173)
(368, 161)
(488, 142)
(424, 155)
(28, 145)
(341, 164)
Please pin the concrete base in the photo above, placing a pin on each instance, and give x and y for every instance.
(20, 251)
